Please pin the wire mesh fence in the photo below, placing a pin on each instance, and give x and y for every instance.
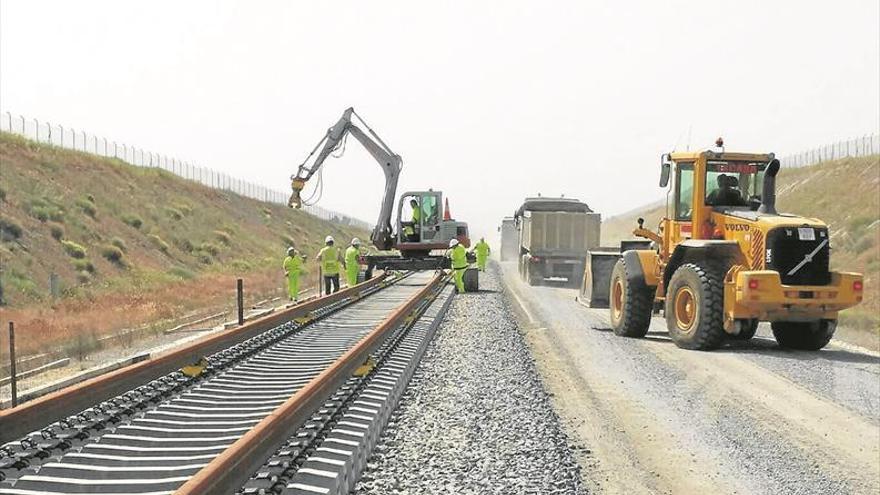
(79, 140)
(860, 146)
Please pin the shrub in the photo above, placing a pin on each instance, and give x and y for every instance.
(212, 249)
(83, 277)
(223, 237)
(119, 243)
(84, 265)
(87, 207)
(133, 221)
(185, 245)
(90, 198)
(160, 244)
(41, 213)
(73, 249)
(287, 241)
(10, 229)
(174, 213)
(2, 194)
(112, 253)
(183, 208)
(57, 231)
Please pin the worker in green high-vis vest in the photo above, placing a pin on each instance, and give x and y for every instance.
(292, 265)
(458, 258)
(482, 250)
(352, 264)
(328, 256)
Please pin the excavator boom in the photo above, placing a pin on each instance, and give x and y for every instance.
(390, 162)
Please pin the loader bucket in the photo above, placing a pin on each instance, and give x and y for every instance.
(597, 278)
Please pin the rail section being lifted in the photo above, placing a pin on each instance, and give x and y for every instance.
(209, 433)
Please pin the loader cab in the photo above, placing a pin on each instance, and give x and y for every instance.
(706, 182)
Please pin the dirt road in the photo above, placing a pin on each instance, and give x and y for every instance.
(648, 417)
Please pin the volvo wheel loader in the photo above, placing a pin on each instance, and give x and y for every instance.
(723, 259)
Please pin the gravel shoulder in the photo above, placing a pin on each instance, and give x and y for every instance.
(748, 418)
(476, 417)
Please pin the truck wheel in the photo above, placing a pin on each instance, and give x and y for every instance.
(804, 335)
(630, 303)
(695, 307)
(748, 331)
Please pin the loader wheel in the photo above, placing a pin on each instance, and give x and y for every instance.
(630, 303)
(748, 331)
(695, 307)
(804, 335)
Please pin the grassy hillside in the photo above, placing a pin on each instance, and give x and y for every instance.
(843, 193)
(129, 243)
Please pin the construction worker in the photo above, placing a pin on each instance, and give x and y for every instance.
(292, 268)
(414, 231)
(458, 255)
(329, 258)
(352, 265)
(482, 250)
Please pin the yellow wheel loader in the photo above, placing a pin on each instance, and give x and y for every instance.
(723, 259)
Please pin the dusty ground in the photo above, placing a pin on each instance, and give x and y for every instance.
(748, 418)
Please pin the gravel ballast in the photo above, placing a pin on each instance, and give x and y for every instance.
(476, 417)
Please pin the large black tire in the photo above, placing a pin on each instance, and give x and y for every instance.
(804, 335)
(630, 303)
(695, 307)
(746, 333)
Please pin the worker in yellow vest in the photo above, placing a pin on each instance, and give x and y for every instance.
(329, 258)
(458, 256)
(292, 265)
(352, 264)
(482, 250)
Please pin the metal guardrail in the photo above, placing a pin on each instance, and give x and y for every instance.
(79, 140)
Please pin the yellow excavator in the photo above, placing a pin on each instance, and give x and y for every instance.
(723, 259)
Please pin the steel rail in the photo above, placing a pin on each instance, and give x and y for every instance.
(233, 467)
(33, 415)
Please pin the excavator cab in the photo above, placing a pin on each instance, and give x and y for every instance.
(422, 226)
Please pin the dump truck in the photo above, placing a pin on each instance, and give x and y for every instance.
(723, 259)
(509, 241)
(554, 236)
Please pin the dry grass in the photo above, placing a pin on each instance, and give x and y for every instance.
(169, 263)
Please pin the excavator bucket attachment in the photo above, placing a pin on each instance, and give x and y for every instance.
(295, 200)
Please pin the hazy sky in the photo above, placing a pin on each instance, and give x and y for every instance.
(487, 101)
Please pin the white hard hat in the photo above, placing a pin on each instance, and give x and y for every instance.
(290, 250)
(453, 242)
(329, 238)
(355, 241)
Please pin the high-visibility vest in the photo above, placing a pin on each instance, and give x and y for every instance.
(482, 248)
(293, 264)
(329, 260)
(351, 257)
(459, 257)
(417, 215)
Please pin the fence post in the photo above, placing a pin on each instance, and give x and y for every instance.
(9, 114)
(12, 374)
(239, 290)
(37, 129)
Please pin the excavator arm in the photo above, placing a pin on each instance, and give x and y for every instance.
(382, 236)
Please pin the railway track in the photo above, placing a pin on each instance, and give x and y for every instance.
(209, 433)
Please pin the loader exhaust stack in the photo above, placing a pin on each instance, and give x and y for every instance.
(768, 195)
